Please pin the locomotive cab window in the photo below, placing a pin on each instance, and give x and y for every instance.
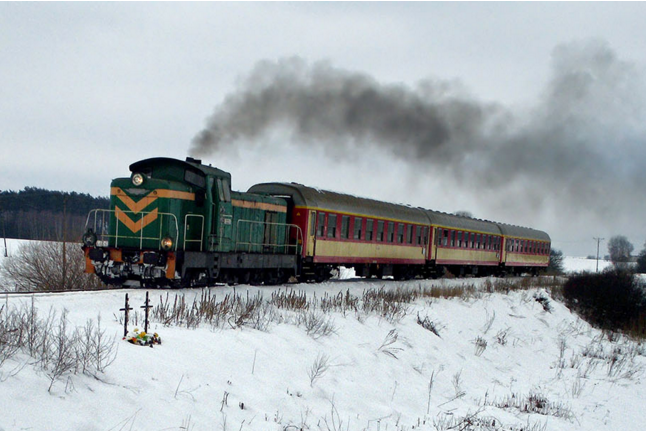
(226, 188)
(194, 178)
(224, 192)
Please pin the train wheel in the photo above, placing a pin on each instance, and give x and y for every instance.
(256, 278)
(244, 277)
(271, 277)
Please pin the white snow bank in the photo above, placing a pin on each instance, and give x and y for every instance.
(379, 374)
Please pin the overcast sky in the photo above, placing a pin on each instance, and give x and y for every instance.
(526, 113)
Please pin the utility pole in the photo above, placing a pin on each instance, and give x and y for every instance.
(4, 234)
(64, 240)
(598, 240)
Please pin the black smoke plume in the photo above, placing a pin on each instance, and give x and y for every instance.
(582, 145)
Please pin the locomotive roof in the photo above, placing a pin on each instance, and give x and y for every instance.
(332, 201)
(190, 164)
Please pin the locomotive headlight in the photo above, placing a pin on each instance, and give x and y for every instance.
(137, 179)
(89, 238)
(167, 243)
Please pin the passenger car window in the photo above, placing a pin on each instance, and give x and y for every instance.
(321, 225)
(345, 227)
(331, 226)
(357, 227)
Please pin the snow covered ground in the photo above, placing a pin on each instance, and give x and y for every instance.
(578, 264)
(498, 362)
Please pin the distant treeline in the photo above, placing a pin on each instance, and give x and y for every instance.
(41, 214)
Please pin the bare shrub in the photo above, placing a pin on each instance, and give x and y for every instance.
(532, 403)
(488, 321)
(44, 266)
(562, 344)
(544, 300)
(316, 324)
(501, 337)
(578, 385)
(341, 302)
(63, 358)
(387, 345)
(234, 309)
(289, 300)
(57, 350)
(318, 368)
(428, 324)
(472, 422)
(456, 380)
(481, 345)
(95, 350)
(618, 357)
(389, 304)
(8, 331)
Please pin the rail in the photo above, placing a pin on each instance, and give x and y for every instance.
(101, 226)
(251, 245)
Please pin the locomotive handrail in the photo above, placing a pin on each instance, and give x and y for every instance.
(286, 246)
(101, 231)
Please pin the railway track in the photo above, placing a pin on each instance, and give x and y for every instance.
(48, 292)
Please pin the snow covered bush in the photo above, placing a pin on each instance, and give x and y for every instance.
(57, 350)
(614, 300)
(48, 265)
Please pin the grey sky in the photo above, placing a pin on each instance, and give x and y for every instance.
(88, 88)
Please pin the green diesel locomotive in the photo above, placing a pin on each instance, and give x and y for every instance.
(178, 223)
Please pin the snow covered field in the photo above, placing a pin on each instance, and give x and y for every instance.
(498, 362)
(578, 264)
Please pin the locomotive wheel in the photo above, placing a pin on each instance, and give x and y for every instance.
(255, 278)
(270, 277)
(244, 277)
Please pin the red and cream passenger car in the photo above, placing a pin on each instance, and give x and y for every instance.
(375, 238)
(378, 238)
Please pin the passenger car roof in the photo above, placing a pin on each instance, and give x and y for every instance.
(324, 200)
(332, 201)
